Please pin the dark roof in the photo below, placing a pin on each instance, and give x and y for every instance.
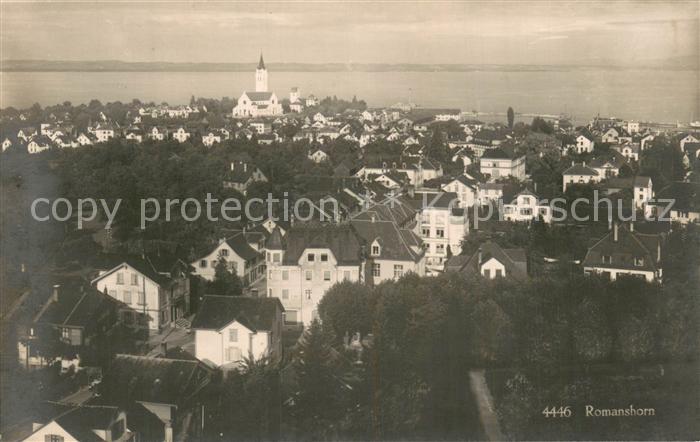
(580, 169)
(158, 380)
(396, 243)
(341, 240)
(78, 305)
(216, 312)
(259, 96)
(686, 196)
(239, 244)
(498, 154)
(514, 260)
(629, 245)
(81, 421)
(261, 63)
(275, 241)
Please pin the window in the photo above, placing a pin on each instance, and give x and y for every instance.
(638, 262)
(426, 232)
(233, 335)
(127, 297)
(324, 257)
(285, 275)
(440, 249)
(224, 252)
(285, 293)
(607, 259)
(307, 294)
(376, 270)
(269, 276)
(308, 275)
(53, 438)
(120, 278)
(142, 298)
(346, 274)
(499, 273)
(375, 250)
(276, 257)
(487, 273)
(134, 279)
(326, 275)
(65, 333)
(203, 264)
(311, 257)
(440, 233)
(398, 270)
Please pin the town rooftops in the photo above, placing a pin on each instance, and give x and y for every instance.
(216, 312)
(76, 305)
(82, 421)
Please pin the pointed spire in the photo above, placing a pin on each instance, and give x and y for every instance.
(261, 63)
(274, 242)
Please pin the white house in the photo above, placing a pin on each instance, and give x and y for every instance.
(498, 163)
(229, 329)
(242, 253)
(38, 144)
(580, 174)
(584, 144)
(466, 188)
(442, 226)
(104, 132)
(158, 133)
(181, 134)
(526, 207)
(690, 138)
(306, 263)
(211, 137)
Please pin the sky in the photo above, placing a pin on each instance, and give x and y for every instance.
(472, 32)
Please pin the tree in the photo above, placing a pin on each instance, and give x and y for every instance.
(318, 401)
(592, 337)
(225, 282)
(511, 117)
(347, 308)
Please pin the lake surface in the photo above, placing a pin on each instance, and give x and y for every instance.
(648, 95)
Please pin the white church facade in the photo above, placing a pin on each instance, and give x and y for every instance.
(260, 103)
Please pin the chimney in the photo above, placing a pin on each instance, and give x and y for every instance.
(245, 167)
(584, 164)
(233, 165)
(658, 250)
(631, 226)
(54, 294)
(479, 258)
(615, 232)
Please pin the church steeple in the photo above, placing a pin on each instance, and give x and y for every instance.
(261, 76)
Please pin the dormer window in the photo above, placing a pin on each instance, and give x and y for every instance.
(311, 257)
(638, 261)
(376, 249)
(607, 259)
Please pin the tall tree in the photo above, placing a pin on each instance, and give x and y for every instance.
(511, 117)
(226, 281)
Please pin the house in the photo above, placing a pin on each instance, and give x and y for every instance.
(418, 170)
(609, 165)
(260, 126)
(241, 175)
(466, 188)
(134, 134)
(391, 250)
(584, 143)
(229, 329)
(615, 135)
(159, 298)
(211, 137)
(686, 203)
(70, 325)
(318, 156)
(491, 261)
(181, 134)
(170, 390)
(629, 150)
(158, 133)
(104, 132)
(646, 141)
(490, 193)
(640, 186)
(580, 174)
(243, 253)
(448, 114)
(442, 226)
(309, 260)
(39, 144)
(86, 139)
(261, 102)
(82, 423)
(526, 207)
(623, 251)
(499, 163)
(689, 138)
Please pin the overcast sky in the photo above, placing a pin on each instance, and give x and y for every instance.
(398, 32)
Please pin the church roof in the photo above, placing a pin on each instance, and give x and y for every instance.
(261, 63)
(259, 96)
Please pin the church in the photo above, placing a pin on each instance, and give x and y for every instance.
(260, 103)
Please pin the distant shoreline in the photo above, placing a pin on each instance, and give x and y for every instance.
(122, 66)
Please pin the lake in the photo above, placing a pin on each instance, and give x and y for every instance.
(644, 94)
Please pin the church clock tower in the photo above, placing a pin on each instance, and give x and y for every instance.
(261, 76)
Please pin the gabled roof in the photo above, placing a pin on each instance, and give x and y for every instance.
(78, 305)
(275, 241)
(514, 260)
(623, 251)
(580, 169)
(156, 380)
(396, 243)
(256, 314)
